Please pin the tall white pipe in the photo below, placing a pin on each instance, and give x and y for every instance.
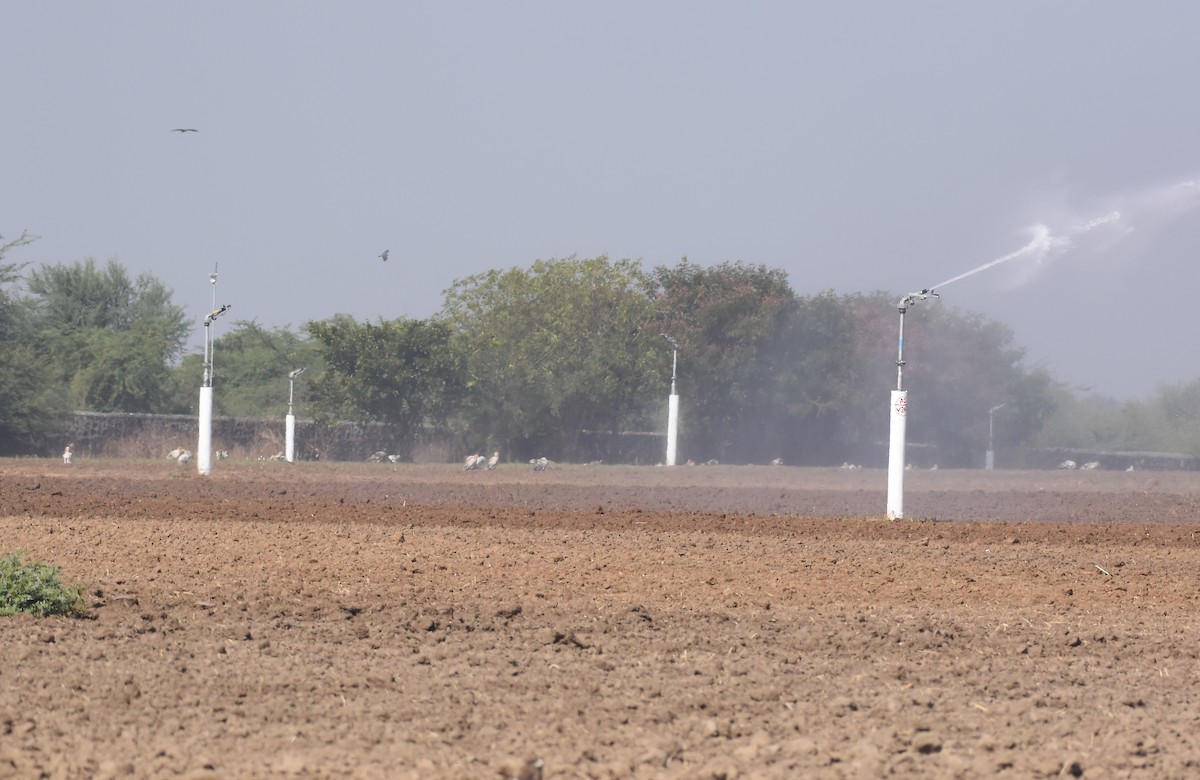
(899, 415)
(289, 424)
(989, 461)
(204, 446)
(672, 427)
(204, 451)
(672, 403)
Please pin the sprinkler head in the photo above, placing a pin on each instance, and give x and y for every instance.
(912, 298)
(212, 315)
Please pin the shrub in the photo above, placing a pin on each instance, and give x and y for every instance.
(35, 588)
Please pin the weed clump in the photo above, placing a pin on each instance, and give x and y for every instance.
(36, 588)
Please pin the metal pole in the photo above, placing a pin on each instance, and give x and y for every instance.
(989, 462)
(204, 442)
(898, 413)
(672, 406)
(289, 422)
(209, 347)
(674, 366)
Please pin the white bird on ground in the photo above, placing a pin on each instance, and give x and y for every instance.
(1091, 465)
(67, 455)
(394, 458)
(777, 462)
(222, 454)
(473, 462)
(492, 461)
(185, 457)
(541, 464)
(278, 456)
(377, 457)
(1067, 464)
(175, 453)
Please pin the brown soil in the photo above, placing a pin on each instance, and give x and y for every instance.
(356, 620)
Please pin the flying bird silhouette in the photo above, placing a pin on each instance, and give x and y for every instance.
(384, 255)
(185, 130)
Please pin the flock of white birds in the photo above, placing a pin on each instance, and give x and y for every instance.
(1071, 465)
(476, 462)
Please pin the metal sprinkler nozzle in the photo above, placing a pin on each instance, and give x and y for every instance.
(912, 298)
(671, 340)
(212, 315)
(297, 372)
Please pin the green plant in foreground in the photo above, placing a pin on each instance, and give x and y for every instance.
(35, 588)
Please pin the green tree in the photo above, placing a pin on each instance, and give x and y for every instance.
(1167, 421)
(32, 407)
(563, 346)
(250, 372)
(1173, 412)
(109, 339)
(123, 371)
(402, 372)
(958, 365)
(813, 358)
(753, 363)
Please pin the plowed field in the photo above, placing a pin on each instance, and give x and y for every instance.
(376, 621)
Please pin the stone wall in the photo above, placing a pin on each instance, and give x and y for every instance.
(117, 435)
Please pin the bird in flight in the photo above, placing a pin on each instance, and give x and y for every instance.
(384, 255)
(185, 130)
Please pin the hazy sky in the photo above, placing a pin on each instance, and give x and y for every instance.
(860, 146)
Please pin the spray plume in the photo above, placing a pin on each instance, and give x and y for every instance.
(1143, 212)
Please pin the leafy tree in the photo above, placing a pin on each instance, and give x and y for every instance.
(565, 345)
(744, 346)
(1167, 421)
(403, 372)
(124, 371)
(31, 408)
(957, 366)
(971, 364)
(250, 372)
(813, 359)
(1173, 412)
(109, 339)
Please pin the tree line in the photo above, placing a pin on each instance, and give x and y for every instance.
(528, 360)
